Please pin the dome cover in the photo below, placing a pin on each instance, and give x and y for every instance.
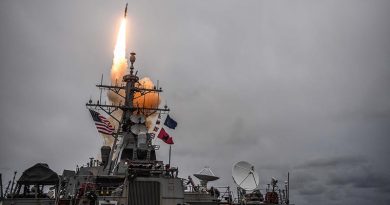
(39, 174)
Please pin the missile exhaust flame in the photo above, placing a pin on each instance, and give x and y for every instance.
(119, 62)
(118, 70)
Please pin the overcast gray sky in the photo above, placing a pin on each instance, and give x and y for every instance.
(299, 86)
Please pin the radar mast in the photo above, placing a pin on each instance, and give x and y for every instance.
(132, 142)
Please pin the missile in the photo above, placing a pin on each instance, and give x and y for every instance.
(125, 11)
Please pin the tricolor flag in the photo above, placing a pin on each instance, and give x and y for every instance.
(165, 137)
(102, 124)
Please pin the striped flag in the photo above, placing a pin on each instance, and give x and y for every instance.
(102, 124)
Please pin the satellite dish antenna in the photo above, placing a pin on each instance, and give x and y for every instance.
(137, 118)
(205, 175)
(134, 119)
(245, 176)
(138, 128)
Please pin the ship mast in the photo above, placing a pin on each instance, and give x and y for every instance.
(127, 144)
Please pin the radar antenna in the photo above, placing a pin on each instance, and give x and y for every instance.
(205, 175)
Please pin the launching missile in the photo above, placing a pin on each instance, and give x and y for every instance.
(125, 11)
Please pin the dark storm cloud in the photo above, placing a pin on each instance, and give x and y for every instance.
(238, 135)
(338, 177)
(361, 177)
(343, 171)
(313, 189)
(333, 162)
(295, 86)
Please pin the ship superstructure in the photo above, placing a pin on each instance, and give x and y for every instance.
(132, 141)
(129, 173)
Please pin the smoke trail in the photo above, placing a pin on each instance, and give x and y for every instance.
(118, 70)
(119, 63)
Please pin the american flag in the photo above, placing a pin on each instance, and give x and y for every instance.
(102, 124)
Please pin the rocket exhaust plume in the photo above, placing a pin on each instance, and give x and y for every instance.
(119, 63)
(149, 100)
(118, 70)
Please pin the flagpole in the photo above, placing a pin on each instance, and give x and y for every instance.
(170, 148)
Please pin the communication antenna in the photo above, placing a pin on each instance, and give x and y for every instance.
(245, 176)
(138, 129)
(205, 175)
(101, 90)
